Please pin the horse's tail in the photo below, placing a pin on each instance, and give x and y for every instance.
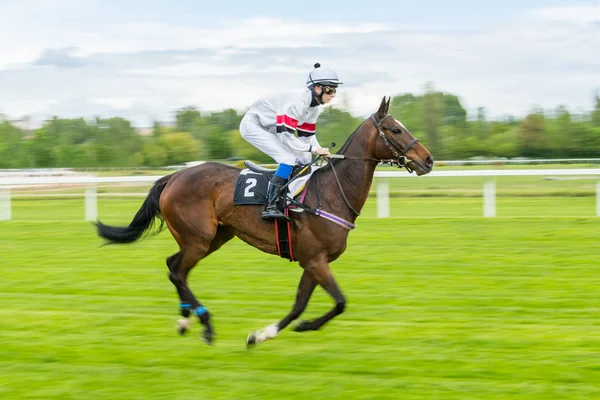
(142, 221)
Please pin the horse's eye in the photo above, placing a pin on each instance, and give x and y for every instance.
(396, 131)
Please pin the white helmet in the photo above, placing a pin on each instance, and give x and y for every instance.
(322, 76)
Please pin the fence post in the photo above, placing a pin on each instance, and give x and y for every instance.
(489, 199)
(383, 200)
(598, 199)
(91, 203)
(5, 206)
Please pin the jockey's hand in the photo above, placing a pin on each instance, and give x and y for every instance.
(321, 151)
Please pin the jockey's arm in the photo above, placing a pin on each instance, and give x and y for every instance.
(292, 113)
(312, 139)
(294, 143)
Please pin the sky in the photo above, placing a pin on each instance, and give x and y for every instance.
(143, 60)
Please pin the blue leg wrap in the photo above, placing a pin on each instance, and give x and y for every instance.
(200, 310)
(185, 309)
(284, 171)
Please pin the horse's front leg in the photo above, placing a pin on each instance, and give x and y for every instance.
(305, 289)
(321, 273)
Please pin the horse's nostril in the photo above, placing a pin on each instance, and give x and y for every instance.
(429, 161)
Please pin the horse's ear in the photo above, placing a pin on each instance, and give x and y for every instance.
(387, 106)
(382, 108)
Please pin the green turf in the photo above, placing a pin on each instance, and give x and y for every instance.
(438, 308)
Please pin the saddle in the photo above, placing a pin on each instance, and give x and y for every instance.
(251, 189)
(252, 183)
(297, 170)
(257, 168)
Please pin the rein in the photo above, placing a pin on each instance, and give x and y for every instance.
(400, 160)
(400, 155)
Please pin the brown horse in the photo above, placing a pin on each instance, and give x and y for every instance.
(197, 206)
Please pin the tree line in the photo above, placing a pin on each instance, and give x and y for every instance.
(438, 119)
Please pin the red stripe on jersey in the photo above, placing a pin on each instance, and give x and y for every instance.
(287, 120)
(307, 127)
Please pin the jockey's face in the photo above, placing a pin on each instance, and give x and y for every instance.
(328, 93)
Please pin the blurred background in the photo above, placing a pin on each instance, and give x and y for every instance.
(479, 280)
(125, 84)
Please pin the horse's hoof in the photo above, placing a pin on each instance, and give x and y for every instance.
(251, 340)
(182, 326)
(303, 327)
(208, 337)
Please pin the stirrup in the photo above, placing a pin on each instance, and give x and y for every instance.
(274, 213)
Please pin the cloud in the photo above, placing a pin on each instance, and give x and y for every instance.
(579, 15)
(61, 58)
(141, 71)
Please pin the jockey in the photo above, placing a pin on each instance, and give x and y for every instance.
(270, 123)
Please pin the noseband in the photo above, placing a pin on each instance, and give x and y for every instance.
(398, 153)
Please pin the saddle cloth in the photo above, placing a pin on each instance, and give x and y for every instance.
(251, 186)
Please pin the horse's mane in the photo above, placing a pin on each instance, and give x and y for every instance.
(350, 138)
(344, 147)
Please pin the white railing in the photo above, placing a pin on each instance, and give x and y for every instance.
(520, 161)
(91, 202)
(489, 187)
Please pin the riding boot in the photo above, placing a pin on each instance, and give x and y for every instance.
(272, 210)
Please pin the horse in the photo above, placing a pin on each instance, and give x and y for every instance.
(196, 205)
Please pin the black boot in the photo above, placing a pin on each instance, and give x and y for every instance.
(272, 210)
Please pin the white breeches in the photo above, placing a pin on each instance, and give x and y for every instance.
(269, 143)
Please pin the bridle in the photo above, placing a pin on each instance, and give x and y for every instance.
(400, 160)
(400, 155)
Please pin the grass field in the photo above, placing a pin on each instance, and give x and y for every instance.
(458, 307)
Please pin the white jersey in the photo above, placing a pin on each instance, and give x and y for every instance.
(289, 112)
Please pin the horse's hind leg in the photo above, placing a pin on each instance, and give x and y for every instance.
(180, 265)
(185, 308)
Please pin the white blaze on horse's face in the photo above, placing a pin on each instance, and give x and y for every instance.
(404, 129)
(401, 124)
